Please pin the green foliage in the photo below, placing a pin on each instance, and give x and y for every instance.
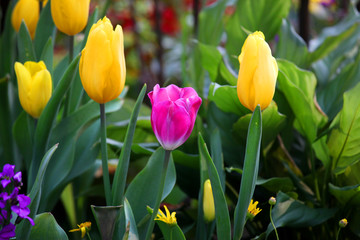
(46, 227)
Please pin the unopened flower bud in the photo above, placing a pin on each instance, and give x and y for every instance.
(343, 222)
(272, 201)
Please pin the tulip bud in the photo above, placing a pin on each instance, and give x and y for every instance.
(208, 202)
(257, 74)
(173, 114)
(102, 64)
(27, 10)
(70, 16)
(35, 86)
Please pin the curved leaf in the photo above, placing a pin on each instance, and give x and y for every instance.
(46, 227)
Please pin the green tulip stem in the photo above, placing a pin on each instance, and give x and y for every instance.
(272, 223)
(159, 195)
(71, 48)
(105, 8)
(88, 235)
(104, 156)
(338, 233)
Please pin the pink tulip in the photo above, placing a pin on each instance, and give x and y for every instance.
(173, 114)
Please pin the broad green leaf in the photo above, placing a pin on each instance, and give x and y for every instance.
(250, 172)
(223, 227)
(45, 29)
(210, 23)
(23, 132)
(217, 155)
(46, 227)
(170, 232)
(345, 137)
(292, 213)
(42, 134)
(322, 151)
(123, 165)
(143, 188)
(291, 46)
(298, 87)
(214, 61)
(130, 221)
(276, 184)
(48, 54)
(225, 98)
(23, 229)
(330, 97)
(106, 217)
(273, 123)
(346, 196)
(25, 47)
(260, 15)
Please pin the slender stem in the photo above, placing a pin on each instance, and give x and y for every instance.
(313, 171)
(159, 195)
(272, 223)
(104, 156)
(338, 233)
(88, 235)
(105, 8)
(71, 48)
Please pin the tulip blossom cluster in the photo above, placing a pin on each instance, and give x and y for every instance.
(173, 114)
(11, 201)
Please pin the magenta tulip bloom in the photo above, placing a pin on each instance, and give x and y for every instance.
(173, 114)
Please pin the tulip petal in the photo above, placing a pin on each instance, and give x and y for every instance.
(40, 92)
(96, 61)
(24, 82)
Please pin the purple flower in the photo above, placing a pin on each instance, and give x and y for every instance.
(7, 232)
(22, 210)
(173, 114)
(18, 179)
(7, 174)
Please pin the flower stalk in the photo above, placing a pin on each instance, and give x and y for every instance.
(104, 156)
(159, 194)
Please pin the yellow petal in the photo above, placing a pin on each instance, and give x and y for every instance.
(208, 202)
(22, 11)
(24, 85)
(70, 16)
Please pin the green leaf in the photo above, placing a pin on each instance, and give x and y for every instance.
(345, 137)
(273, 123)
(45, 29)
(250, 172)
(106, 217)
(322, 151)
(139, 196)
(291, 46)
(225, 98)
(123, 165)
(260, 15)
(48, 54)
(215, 63)
(292, 213)
(346, 196)
(25, 47)
(298, 87)
(42, 134)
(23, 132)
(171, 232)
(130, 221)
(23, 229)
(223, 227)
(330, 97)
(217, 155)
(276, 184)
(46, 227)
(210, 24)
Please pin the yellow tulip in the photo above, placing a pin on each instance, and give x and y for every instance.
(102, 63)
(35, 86)
(208, 202)
(257, 74)
(70, 16)
(27, 10)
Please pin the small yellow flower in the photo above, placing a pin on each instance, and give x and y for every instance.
(168, 219)
(253, 210)
(343, 222)
(83, 227)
